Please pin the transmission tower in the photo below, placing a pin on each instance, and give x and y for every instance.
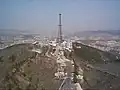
(60, 39)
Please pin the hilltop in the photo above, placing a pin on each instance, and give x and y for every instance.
(22, 68)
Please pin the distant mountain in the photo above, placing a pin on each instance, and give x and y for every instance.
(14, 32)
(98, 33)
(9, 31)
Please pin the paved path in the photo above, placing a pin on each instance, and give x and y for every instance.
(67, 84)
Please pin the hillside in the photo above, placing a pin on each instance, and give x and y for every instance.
(92, 55)
(96, 77)
(23, 69)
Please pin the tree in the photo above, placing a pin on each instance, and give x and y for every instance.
(12, 57)
(30, 78)
(1, 58)
(37, 83)
(30, 87)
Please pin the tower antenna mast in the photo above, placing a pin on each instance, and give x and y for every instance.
(60, 39)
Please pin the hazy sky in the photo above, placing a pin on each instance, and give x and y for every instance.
(42, 15)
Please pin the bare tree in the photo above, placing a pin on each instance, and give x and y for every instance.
(1, 58)
(12, 57)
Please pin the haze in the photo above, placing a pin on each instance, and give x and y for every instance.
(42, 15)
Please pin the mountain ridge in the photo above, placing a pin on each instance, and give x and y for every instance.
(97, 33)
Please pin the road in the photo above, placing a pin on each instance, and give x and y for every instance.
(67, 83)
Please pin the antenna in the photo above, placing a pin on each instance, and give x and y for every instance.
(60, 31)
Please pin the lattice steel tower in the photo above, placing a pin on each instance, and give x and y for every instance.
(60, 38)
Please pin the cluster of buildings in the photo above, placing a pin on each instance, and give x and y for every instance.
(97, 42)
(6, 41)
(109, 44)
